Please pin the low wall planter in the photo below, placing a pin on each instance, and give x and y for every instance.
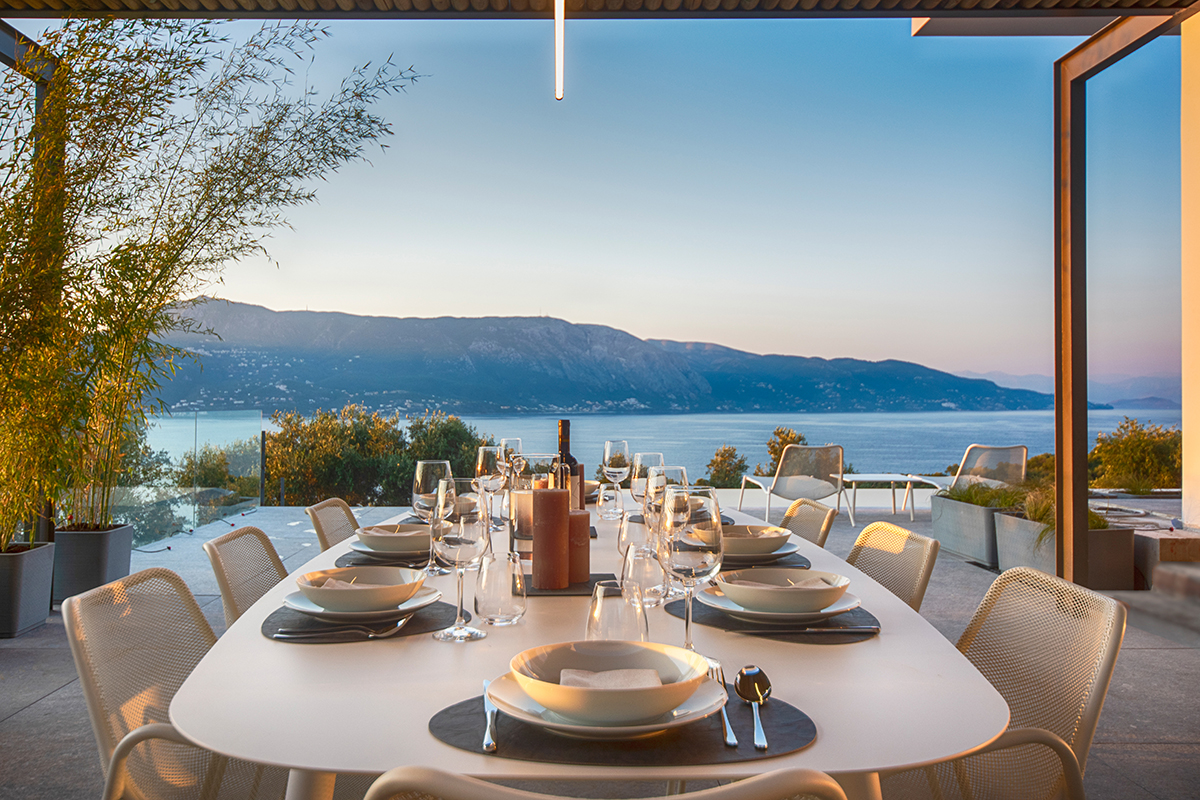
(84, 560)
(25, 579)
(965, 529)
(1110, 552)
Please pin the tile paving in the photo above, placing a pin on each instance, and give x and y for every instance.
(1147, 744)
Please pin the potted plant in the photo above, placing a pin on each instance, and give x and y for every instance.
(1025, 536)
(964, 518)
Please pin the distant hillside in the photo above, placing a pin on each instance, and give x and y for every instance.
(305, 360)
(1152, 403)
(1111, 389)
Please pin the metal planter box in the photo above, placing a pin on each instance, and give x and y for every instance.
(84, 560)
(966, 530)
(25, 589)
(1110, 552)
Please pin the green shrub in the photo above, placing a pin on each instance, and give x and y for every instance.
(982, 494)
(1136, 454)
(780, 439)
(726, 469)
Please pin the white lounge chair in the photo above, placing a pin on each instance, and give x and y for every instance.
(984, 464)
(803, 472)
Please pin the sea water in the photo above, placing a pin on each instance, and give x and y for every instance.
(873, 441)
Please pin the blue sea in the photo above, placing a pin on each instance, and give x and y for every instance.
(873, 442)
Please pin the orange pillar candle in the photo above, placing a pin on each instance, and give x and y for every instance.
(551, 543)
(541, 482)
(580, 546)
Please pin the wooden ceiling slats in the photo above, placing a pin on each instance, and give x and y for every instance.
(653, 5)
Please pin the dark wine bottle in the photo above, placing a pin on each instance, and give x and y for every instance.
(570, 471)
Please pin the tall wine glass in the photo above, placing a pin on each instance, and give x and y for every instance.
(690, 546)
(510, 463)
(637, 481)
(658, 479)
(458, 544)
(489, 477)
(616, 460)
(426, 488)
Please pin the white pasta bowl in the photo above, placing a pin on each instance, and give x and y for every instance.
(537, 672)
(776, 589)
(747, 540)
(370, 589)
(396, 538)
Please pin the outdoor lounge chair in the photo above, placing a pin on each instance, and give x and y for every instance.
(423, 783)
(804, 472)
(1049, 647)
(984, 464)
(810, 520)
(333, 521)
(897, 558)
(246, 566)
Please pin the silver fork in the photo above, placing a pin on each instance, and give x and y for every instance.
(717, 673)
(366, 632)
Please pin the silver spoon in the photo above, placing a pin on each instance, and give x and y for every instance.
(753, 686)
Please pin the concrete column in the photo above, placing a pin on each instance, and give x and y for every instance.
(1189, 177)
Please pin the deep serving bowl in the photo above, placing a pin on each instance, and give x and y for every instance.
(537, 672)
(383, 587)
(748, 540)
(396, 538)
(777, 592)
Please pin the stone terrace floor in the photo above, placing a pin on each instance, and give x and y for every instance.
(1147, 744)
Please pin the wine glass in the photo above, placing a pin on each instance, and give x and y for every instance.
(640, 568)
(609, 501)
(690, 545)
(616, 612)
(459, 544)
(489, 477)
(616, 460)
(637, 483)
(426, 487)
(511, 465)
(658, 479)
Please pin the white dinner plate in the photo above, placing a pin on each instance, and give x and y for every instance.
(388, 555)
(760, 558)
(506, 693)
(713, 598)
(425, 596)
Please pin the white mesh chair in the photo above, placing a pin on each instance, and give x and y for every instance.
(985, 464)
(803, 472)
(810, 520)
(422, 783)
(1049, 648)
(333, 521)
(246, 566)
(134, 642)
(897, 558)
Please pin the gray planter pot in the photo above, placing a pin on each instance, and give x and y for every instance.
(1110, 552)
(964, 529)
(84, 560)
(25, 589)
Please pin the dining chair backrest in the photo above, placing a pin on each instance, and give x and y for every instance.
(246, 566)
(1049, 648)
(897, 558)
(992, 465)
(333, 521)
(134, 642)
(423, 783)
(810, 520)
(807, 471)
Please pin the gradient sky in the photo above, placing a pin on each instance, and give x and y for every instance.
(828, 188)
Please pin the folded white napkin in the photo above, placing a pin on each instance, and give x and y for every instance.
(380, 530)
(334, 583)
(807, 583)
(610, 678)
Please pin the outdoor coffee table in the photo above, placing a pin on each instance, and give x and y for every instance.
(906, 697)
(884, 477)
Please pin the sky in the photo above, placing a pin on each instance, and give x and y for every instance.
(831, 188)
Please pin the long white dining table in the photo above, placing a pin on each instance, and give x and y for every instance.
(903, 698)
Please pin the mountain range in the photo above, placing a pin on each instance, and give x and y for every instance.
(305, 360)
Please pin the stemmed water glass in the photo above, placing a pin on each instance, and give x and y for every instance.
(427, 504)
(658, 480)
(690, 545)
(489, 477)
(511, 465)
(637, 483)
(458, 544)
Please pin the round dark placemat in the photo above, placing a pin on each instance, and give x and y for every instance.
(434, 617)
(793, 560)
(355, 559)
(788, 729)
(704, 615)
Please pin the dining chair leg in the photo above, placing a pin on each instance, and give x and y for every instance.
(860, 785)
(304, 784)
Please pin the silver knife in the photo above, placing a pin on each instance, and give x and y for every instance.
(489, 728)
(806, 631)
